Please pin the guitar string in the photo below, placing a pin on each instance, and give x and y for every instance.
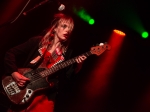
(42, 74)
(38, 76)
(52, 70)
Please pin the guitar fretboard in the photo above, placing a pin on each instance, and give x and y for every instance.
(61, 65)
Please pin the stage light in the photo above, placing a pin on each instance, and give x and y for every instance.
(84, 15)
(145, 34)
(91, 21)
(119, 32)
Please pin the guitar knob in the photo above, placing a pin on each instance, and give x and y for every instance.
(101, 44)
(29, 91)
(27, 96)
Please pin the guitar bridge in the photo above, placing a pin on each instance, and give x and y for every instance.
(12, 88)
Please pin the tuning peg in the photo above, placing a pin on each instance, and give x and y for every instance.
(101, 44)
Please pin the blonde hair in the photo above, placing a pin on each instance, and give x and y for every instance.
(58, 18)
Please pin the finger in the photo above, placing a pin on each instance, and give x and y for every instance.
(22, 81)
(20, 84)
(25, 78)
(83, 57)
(79, 60)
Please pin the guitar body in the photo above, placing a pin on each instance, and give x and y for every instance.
(19, 95)
(38, 79)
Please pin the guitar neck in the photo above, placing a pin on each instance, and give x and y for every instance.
(61, 65)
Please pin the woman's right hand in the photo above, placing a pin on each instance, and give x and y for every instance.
(20, 79)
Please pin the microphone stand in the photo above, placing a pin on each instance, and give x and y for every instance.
(36, 6)
(24, 13)
(12, 21)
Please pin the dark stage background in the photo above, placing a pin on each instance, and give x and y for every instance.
(129, 86)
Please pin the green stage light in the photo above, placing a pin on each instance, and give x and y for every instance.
(145, 34)
(84, 15)
(91, 21)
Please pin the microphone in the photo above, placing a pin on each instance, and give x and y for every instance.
(61, 7)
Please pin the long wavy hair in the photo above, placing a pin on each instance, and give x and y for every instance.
(49, 36)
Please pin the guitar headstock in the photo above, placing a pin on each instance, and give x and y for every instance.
(99, 49)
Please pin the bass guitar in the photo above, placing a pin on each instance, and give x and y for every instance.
(38, 77)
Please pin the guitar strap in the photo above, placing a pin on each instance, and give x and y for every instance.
(46, 58)
(40, 57)
(51, 59)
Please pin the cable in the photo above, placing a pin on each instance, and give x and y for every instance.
(21, 11)
(10, 22)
